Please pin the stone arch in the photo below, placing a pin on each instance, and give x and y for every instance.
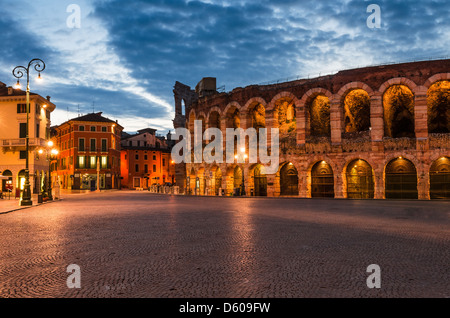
(398, 102)
(355, 105)
(436, 78)
(212, 111)
(400, 176)
(438, 107)
(284, 107)
(358, 179)
(258, 179)
(440, 178)
(397, 81)
(347, 88)
(255, 113)
(317, 123)
(252, 101)
(322, 180)
(229, 111)
(288, 176)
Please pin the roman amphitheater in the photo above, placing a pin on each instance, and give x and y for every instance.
(378, 132)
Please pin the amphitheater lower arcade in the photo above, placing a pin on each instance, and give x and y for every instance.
(370, 133)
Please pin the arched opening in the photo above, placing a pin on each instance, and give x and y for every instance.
(360, 184)
(401, 179)
(214, 120)
(237, 177)
(288, 180)
(440, 179)
(260, 181)
(7, 184)
(318, 116)
(356, 111)
(285, 121)
(322, 180)
(438, 104)
(21, 180)
(398, 105)
(217, 180)
(257, 117)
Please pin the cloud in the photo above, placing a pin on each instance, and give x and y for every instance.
(128, 55)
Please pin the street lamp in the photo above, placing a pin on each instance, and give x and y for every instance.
(19, 72)
(243, 155)
(49, 152)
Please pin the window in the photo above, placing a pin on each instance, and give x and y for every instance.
(93, 162)
(104, 145)
(23, 130)
(93, 142)
(38, 109)
(103, 129)
(145, 157)
(104, 162)
(146, 168)
(23, 154)
(136, 182)
(81, 144)
(154, 157)
(164, 162)
(21, 108)
(136, 168)
(138, 143)
(92, 128)
(37, 130)
(130, 143)
(81, 162)
(154, 168)
(81, 128)
(136, 157)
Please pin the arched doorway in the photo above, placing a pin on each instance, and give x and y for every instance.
(360, 183)
(440, 179)
(21, 180)
(7, 184)
(288, 180)
(260, 181)
(322, 183)
(401, 179)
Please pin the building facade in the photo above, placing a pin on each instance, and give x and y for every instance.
(146, 160)
(87, 143)
(375, 132)
(13, 121)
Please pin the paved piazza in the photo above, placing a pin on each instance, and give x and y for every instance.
(137, 244)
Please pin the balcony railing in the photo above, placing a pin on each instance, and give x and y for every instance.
(21, 142)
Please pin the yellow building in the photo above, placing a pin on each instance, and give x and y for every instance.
(13, 119)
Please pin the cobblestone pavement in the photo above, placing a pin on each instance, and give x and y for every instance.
(137, 244)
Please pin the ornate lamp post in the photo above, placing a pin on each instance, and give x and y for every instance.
(49, 152)
(19, 72)
(244, 156)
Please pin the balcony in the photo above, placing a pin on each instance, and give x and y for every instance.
(21, 142)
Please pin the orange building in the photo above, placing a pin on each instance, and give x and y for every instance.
(85, 143)
(145, 160)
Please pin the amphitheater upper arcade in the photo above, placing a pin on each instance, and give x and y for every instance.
(369, 117)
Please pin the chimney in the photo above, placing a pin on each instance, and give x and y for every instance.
(48, 98)
(10, 90)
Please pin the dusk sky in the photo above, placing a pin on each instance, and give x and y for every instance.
(127, 55)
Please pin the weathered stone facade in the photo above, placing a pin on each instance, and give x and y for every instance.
(327, 148)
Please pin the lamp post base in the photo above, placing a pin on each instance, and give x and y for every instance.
(26, 202)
